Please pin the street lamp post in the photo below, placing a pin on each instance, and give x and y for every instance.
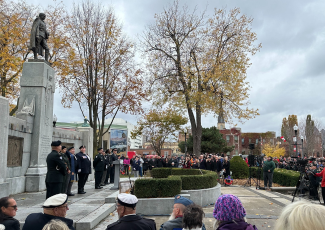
(185, 143)
(295, 138)
(54, 120)
(302, 145)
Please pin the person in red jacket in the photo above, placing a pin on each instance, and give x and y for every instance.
(321, 174)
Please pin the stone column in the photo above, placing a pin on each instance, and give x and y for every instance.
(37, 85)
(87, 138)
(4, 129)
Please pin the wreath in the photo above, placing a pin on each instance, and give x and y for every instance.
(228, 180)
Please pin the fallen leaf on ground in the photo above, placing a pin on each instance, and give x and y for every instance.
(271, 203)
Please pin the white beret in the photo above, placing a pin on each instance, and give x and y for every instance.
(55, 201)
(127, 199)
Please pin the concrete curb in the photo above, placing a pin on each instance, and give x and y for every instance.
(155, 206)
(111, 198)
(204, 197)
(91, 220)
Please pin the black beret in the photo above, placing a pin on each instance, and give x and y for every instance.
(115, 149)
(56, 143)
(99, 149)
(70, 148)
(83, 146)
(63, 147)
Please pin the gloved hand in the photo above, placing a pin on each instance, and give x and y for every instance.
(79, 170)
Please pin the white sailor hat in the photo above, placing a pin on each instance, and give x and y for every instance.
(127, 200)
(55, 201)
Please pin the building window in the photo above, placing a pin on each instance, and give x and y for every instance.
(236, 139)
(228, 138)
(256, 141)
(263, 140)
(236, 151)
(166, 153)
(243, 140)
(249, 140)
(145, 153)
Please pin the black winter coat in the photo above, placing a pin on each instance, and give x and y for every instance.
(84, 163)
(11, 224)
(36, 221)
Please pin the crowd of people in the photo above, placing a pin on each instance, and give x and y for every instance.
(65, 166)
(140, 165)
(229, 213)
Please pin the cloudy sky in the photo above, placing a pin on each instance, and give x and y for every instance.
(286, 76)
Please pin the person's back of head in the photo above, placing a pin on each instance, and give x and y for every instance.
(193, 217)
(55, 225)
(301, 215)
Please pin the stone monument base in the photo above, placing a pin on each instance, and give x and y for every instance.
(4, 189)
(35, 179)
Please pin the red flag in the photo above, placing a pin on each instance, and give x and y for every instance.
(284, 140)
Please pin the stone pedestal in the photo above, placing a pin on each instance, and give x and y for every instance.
(37, 90)
(4, 128)
(116, 175)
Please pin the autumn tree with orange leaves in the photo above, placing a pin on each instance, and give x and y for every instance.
(15, 24)
(99, 72)
(199, 63)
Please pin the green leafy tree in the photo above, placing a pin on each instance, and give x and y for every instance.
(212, 142)
(158, 126)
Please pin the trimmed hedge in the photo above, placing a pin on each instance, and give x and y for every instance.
(209, 179)
(282, 177)
(161, 172)
(168, 182)
(239, 168)
(162, 187)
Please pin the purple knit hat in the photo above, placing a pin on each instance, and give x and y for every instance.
(228, 207)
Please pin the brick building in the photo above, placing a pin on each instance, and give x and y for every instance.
(256, 138)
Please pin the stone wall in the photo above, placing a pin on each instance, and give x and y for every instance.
(25, 140)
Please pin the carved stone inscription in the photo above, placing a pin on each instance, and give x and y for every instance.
(45, 147)
(15, 151)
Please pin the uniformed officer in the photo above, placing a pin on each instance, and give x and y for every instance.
(84, 168)
(128, 219)
(112, 158)
(56, 170)
(99, 166)
(66, 178)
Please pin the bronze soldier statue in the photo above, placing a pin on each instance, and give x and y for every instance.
(38, 37)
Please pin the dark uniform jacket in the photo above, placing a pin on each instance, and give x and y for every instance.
(11, 223)
(111, 159)
(160, 163)
(36, 221)
(56, 168)
(133, 222)
(99, 163)
(83, 163)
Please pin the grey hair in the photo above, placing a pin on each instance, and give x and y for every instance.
(56, 224)
(301, 215)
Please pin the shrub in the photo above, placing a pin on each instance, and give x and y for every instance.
(209, 179)
(161, 172)
(177, 179)
(239, 168)
(162, 187)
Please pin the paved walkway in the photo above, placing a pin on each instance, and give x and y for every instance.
(262, 207)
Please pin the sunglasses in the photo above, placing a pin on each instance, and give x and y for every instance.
(15, 206)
